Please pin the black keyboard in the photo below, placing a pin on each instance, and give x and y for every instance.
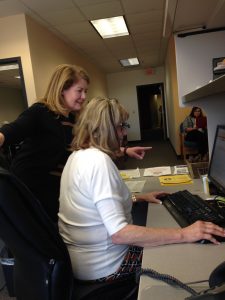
(187, 208)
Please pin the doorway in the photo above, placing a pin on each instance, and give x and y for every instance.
(151, 107)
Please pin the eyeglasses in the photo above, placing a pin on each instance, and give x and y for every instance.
(124, 125)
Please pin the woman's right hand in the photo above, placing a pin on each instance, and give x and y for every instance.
(202, 230)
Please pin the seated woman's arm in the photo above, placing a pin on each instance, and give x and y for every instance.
(143, 236)
(114, 219)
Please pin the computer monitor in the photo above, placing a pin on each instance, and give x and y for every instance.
(216, 172)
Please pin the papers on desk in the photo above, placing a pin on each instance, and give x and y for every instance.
(128, 174)
(181, 169)
(135, 186)
(175, 180)
(158, 171)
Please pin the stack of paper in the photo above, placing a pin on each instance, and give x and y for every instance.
(158, 171)
(181, 169)
(128, 174)
(175, 180)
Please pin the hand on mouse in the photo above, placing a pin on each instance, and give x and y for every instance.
(202, 230)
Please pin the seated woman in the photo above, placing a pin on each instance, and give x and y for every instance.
(195, 129)
(95, 204)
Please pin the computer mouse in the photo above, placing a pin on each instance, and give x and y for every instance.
(217, 276)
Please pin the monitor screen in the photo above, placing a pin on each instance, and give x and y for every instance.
(217, 166)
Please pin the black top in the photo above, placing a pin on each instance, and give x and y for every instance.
(45, 138)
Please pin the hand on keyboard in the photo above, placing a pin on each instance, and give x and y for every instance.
(201, 230)
(154, 197)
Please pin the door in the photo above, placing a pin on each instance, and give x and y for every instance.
(151, 108)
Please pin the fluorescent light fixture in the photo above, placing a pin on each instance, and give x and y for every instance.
(129, 62)
(111, 27)
(9, 67)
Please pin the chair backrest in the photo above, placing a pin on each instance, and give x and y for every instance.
(42, 265)
(42, 269)
(186, 147)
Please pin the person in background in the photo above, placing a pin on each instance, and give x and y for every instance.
(45, 133)
(195, 129)
(95, 204)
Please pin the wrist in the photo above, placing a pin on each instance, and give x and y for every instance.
(125, 151)
(134, 198)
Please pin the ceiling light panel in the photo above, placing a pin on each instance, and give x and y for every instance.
(111, 27)
(129, 62)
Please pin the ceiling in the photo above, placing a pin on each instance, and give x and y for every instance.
(150, 24)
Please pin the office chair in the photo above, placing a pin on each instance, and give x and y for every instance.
(186, 147)
(42, 269)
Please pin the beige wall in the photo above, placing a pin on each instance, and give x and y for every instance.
(41, 51)
(175, 114)
(47, 51)
(14, 43)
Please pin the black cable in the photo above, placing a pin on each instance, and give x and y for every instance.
(194, 282)
(168, 279)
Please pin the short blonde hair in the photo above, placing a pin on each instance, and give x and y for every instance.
(63, 78)
(97, 126)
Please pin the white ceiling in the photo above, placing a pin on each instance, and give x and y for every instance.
(148, 37)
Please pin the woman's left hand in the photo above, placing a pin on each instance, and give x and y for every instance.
(153, 197)
(137, 152)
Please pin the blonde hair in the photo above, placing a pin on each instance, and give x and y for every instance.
(62, 79)
(97, 126)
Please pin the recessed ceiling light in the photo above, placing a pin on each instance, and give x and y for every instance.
(129, 62)
(111, 27)
(9, 67)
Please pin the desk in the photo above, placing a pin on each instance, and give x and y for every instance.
(186, 262)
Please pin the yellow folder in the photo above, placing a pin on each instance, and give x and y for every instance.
(175, 179)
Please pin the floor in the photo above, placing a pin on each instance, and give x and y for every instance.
(161, 154)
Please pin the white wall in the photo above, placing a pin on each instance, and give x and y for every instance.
(194, 56)
(122, 85)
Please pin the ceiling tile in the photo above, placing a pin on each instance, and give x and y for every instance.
(90, 2)
(69, 19)
(48, 5)
(146, 28)
(63, 16)
(102, 10)
(132, 7)
(76, 28)
(144, 18)
(198, 10)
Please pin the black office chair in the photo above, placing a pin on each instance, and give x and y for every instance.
(42, 269)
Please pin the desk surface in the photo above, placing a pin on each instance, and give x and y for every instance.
(187, 262)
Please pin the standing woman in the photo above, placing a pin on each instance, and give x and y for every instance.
(45, 130)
